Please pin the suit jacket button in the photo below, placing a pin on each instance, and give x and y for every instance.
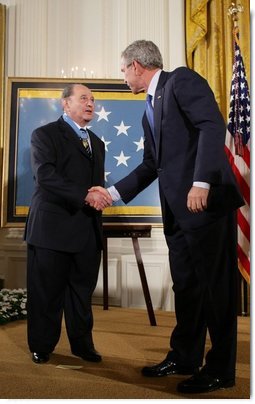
(159, 170)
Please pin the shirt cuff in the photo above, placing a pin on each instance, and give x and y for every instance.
(201, 184)
(114, 193)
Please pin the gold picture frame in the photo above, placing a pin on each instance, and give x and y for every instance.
(32, 102)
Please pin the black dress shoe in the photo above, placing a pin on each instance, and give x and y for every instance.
(202, 382)
(165, 368)
(40, 357)
(90, 355)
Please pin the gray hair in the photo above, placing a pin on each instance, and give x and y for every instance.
(68, 90)
(144, 52)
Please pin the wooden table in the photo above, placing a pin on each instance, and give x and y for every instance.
(134, 232)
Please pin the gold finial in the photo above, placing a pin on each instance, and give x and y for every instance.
(234, 9)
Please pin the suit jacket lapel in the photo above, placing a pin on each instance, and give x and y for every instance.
(158, 103)
(158, 108)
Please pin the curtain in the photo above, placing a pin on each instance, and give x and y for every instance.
(209, 44)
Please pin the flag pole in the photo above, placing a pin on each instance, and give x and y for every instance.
(233, 11)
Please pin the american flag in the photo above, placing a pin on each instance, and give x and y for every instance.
(238, 151)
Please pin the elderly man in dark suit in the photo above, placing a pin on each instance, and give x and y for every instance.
(184, 137)
(64, 229)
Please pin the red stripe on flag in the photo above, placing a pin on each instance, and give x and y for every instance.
(243, 224)
(243, 259)
(229, 144)
(230, 155)
(246, 156)
(244, 187)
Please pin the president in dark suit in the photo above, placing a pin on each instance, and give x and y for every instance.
(184, 137)
(64, 229)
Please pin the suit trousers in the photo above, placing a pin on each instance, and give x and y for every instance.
(204, 271)
(61, 282)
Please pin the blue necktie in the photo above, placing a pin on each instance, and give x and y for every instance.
(84, 138)
(150, 112)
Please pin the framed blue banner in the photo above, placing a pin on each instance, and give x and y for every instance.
(118, 114)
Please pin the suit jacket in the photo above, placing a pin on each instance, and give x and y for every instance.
(189, 146)
(58, 218)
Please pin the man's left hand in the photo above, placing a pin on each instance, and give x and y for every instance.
(197, 199)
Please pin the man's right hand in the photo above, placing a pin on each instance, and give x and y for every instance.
(98, 198)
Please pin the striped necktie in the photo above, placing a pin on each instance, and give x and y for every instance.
(85, 142)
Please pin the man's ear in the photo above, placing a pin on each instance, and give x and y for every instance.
(64, 103)
(139, 69)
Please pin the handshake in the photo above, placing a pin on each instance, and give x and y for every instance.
(98, 198)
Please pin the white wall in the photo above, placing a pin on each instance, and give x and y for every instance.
(46, 36)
